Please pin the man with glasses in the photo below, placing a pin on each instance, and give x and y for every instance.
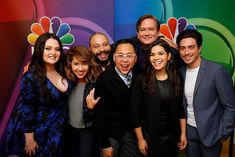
(111, 113)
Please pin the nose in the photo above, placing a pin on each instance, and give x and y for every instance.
(187, 51)
(80, 67)
(146, 32)
(53, 51)
(156, 57)
(102, 48)
(124, 59)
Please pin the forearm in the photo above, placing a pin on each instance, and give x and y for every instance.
(139, 133)
(29, 136)
(183, 140)
(183, 126)
(142, 144)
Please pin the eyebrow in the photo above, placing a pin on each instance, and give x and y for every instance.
(188, 45)
(125, 53)
(157, 51)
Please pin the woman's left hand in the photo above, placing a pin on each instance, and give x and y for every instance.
(183, 142)
(90, 100)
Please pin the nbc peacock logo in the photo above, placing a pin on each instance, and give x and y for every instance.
(173, 27)
(53, 25)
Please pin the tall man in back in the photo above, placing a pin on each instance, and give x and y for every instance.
(148, 31)
(209, 99)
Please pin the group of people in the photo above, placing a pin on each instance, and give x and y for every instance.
(144, 96)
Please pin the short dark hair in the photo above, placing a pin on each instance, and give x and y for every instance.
(190, 34)
(125, 41)
(147, 16)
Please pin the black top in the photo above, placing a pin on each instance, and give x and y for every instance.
(159, 113)
(164, 125)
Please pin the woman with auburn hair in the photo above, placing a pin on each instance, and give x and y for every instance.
(83, 71)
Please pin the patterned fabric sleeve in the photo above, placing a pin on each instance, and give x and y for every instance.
(28, 94)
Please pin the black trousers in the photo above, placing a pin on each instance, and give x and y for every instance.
(81, 142)
(165, 146)
(126, 147)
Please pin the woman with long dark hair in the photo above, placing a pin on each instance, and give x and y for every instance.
(157, 112)
(36, 126)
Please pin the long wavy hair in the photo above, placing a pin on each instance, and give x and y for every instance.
(83, 54)
(149, 83)
(37, 64)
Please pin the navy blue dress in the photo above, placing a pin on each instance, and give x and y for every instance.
(34, 114)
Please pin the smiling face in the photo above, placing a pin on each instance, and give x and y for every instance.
(100, 47)
(189, 52)
(159, 58)
(147, 32)
(124, 57)
(51, 53)
(80, 68)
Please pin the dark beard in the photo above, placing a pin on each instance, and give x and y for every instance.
(103, 63)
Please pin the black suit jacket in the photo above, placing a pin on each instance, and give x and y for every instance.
(111, 114)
